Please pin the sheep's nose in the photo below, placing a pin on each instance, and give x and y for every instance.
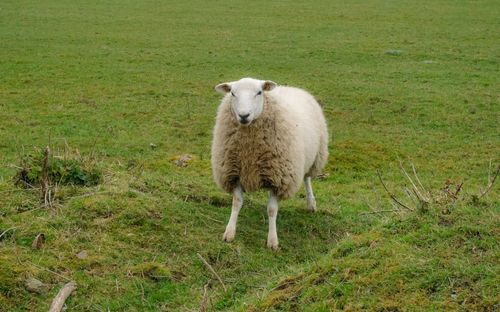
(243, 118)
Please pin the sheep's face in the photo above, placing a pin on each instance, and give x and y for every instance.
(247, 97)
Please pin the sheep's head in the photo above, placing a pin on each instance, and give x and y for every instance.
(247, 97)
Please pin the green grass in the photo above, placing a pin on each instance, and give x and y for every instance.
(109, 78)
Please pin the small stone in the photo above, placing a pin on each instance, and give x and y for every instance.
(34, 285)
(429, 62)
(393, 52)
(82, 254)
(183, 160)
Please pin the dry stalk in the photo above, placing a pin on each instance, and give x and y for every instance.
(9, 229)
(459, 188)
(418, 181)
(419, 194)
(379, 211)
(205, 300)
(211, 269)
(45, 187)
(410, 195)
(62, 295)
(490, 181)
(43, 268)
(394, 198)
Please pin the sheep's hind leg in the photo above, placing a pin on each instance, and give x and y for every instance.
(272, 212)
(235, 210)
(311, 201)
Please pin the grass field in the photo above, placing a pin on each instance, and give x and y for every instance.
(128, 86)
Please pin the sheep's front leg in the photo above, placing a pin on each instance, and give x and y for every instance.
(272, 212)
(235, 210)
(311, 201)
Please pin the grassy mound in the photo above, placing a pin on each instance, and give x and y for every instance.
(431, 262)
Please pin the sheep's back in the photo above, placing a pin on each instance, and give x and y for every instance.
(308, 123)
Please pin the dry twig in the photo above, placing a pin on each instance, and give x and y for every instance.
(42, 268)
(490, 181)
(45, 187)
(212, 270)
(379, 211)
(423, 196)
(418, 181)
(459, 187)
(61, 297)
(205, 300)
(390, 194)
(416, 191)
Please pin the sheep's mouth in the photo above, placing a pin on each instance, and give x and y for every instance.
(244, 122)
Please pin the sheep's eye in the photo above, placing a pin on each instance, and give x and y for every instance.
(259, 93)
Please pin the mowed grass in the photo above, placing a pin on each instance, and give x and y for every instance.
(110, 78)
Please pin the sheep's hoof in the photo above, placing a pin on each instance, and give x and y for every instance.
(311, 206)
(272, 243)
(229, 235)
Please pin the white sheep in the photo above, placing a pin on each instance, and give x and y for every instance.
(267, 137)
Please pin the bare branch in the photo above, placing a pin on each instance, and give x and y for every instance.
(390, 194)
(212, 270)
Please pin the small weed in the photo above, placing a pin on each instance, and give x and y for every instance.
(68, 169)
(152, 270)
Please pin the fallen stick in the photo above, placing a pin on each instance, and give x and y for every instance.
(61, 297)
(213, 271)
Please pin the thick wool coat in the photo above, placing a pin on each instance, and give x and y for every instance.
(286, 143)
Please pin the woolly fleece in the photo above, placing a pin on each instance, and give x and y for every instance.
(277, 150)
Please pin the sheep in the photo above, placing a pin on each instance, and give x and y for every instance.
(267, 137)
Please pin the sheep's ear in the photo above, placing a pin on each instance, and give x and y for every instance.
(268, 85)
(223, 87)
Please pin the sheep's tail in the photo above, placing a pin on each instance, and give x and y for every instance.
(321, 158)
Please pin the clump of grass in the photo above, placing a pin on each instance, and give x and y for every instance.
(68, 168)
(152, 270)
(45, 171)
(420, 198)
